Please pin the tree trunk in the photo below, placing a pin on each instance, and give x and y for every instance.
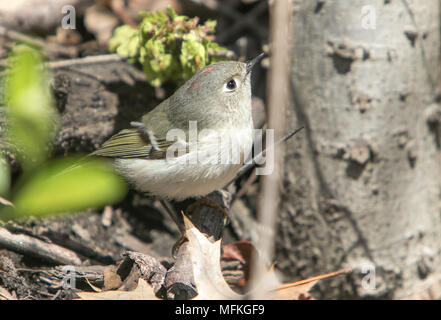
(363, 181)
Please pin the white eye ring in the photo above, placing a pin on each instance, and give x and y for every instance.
(231, 85)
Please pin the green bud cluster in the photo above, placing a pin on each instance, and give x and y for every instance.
(170, 47)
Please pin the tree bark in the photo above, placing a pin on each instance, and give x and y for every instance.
(362, 182)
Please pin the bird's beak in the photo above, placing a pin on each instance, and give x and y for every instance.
(250, 63)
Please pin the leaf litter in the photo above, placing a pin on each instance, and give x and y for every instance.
(205, 256)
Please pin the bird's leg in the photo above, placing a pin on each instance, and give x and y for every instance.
(179, 222)
(173, 215)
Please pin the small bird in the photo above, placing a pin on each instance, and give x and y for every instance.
(195, 141)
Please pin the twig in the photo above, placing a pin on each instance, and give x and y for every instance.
(17, 36)
(48, 48)
(105, 58)
(278, 97)
(246, 185)
(37, 248)
(317, 278)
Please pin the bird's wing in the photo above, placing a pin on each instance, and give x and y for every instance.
(134, 143)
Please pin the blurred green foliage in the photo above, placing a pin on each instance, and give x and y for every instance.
(5, 179)
(4, 165)
(69, 185)
(170, 47)
(29, 124)
(31, 118)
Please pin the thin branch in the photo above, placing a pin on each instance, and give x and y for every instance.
(105, 58)
(37, 248)
(278, 98)
(17, 36)
(48, 48)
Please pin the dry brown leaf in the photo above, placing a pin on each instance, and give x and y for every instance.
(142, 292)
(207, 273)
(299, 290)
(5, 295)
(210, 283)
(244, 252)
(239, 250)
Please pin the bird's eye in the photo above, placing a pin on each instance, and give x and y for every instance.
(231, 85)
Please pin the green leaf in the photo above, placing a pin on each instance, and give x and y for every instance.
(146, 27)
(64, 185)
(157, 64)
(161, 17)
(192, 55)
(31, 117)
(211, 24)
(125, 42)
(171, 13)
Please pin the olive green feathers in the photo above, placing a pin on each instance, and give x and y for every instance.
(133, 143)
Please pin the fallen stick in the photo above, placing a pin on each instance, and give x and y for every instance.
(37, 248)
(47, 47)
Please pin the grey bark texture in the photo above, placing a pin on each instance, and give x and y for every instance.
(363, 180)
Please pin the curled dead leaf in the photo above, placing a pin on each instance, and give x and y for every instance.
(205, 259)
(5, 295)
(210, 283)
(243, 252)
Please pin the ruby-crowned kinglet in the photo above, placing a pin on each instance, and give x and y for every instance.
(195, 141)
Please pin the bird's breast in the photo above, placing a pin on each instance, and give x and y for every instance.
(212, 161)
